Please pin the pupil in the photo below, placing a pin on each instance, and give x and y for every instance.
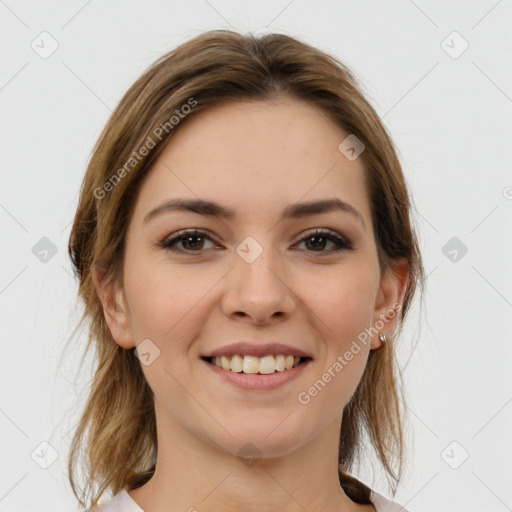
(188, 238)
(316, 238)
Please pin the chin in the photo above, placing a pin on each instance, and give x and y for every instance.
(266, 441)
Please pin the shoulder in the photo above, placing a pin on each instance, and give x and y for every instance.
(383, 504)
(121, 502)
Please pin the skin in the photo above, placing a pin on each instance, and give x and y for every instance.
(255, 157)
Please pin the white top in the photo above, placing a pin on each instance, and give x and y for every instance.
(123, 502)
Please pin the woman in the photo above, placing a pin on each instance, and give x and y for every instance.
(246, 258)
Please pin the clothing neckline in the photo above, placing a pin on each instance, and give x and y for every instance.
(381, 503)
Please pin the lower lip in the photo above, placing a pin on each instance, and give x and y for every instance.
(255, 381)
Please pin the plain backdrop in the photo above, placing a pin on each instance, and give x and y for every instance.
(439, 75)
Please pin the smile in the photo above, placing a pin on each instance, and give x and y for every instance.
(251, 364)
(253, 379)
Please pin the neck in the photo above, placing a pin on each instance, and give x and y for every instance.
(193, 474)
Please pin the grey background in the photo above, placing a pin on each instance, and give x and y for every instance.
(449, 114)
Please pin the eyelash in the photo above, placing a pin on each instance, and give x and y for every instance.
(342, 243)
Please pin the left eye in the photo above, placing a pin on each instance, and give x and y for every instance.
(321, 237)
(319, 240)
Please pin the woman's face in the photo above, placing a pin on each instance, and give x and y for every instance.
(255, 276)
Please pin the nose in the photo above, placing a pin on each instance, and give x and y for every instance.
(258, 292)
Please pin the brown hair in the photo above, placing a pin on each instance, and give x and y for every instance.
(118, 426)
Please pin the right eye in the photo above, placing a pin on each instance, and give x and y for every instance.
(188, 237)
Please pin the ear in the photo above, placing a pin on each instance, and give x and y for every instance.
(115, 308)
(388, 304)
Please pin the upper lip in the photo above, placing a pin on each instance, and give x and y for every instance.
(257, 349)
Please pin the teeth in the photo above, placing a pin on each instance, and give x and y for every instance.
(236, 365)
(266, 364)
(225, 363)
(252, 364)
(280, 363)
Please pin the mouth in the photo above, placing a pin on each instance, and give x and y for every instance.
(265, 365)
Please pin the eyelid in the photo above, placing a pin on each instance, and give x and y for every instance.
(324, 232)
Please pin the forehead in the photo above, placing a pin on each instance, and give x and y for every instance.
(255, 157)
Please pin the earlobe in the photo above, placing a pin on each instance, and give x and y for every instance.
(389, 300)
(114, 308)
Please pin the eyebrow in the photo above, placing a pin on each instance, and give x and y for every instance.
(213, 209)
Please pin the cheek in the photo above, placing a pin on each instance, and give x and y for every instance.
(344, 303)
(163, 297)
(343, 310)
